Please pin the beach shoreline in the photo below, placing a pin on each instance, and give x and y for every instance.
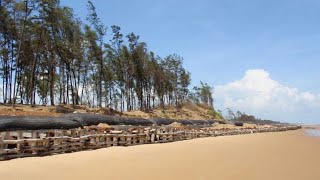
(277, 155)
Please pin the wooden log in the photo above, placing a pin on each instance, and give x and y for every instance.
(33, 144)
(115, 140)
(148, 136)
(153, 138)
(98, 140)
(46, 142)
(116, 132)
(16, 141)
(56, 140)
(163, 137)
(170, 137)
(81, 132)
(9, 151)
(141, 138)
(129, 140)
(4, 136)
(123, 141)
(108, 141)
(158, 135)
(14, 156)
(134, 140)
(92, 141)
(36, 148)
(1, 141)
(73, 133)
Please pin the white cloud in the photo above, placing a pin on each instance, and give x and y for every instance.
(256, 93)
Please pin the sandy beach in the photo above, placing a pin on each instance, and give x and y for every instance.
(282, 155)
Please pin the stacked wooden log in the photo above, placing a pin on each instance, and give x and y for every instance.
(17, 144)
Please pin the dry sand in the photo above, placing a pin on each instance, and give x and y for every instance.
(283, 155)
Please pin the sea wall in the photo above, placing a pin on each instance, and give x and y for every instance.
(29, 143)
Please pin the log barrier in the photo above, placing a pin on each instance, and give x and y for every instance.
(30, 143)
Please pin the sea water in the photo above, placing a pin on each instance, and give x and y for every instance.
(313, 132)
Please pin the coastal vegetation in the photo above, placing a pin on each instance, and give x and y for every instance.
(241, 117)
(49, 56)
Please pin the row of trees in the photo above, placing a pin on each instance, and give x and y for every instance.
(48, 56)
(243, 117)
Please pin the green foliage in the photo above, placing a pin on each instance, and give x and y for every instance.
(202, 94)
(216, 114)
(47, 53)
(243, 117)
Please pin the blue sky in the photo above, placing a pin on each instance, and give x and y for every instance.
(222, 40)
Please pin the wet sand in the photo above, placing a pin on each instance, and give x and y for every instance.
(282, 155)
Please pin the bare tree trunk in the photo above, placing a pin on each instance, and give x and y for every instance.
(11, 73)
(67, 95)
(76, 101)
(18, 55)
(32, 96)
(63, 85)
(52, 75)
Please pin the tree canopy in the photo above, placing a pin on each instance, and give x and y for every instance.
(49, 56)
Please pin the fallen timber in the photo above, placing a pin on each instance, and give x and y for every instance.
(30, 143)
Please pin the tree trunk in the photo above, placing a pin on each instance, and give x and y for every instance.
(52, 75)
